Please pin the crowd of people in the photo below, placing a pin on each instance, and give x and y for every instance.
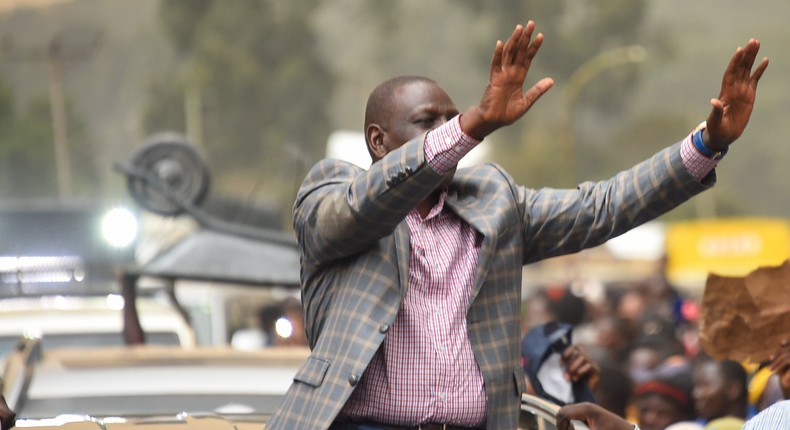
(641, 340)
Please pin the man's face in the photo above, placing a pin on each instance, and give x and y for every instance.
(656, 412)
(417, 108)
(710, 395)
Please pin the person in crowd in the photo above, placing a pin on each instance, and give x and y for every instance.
(614, 337)
(265, 333)
(771, 382)
(720, 393)
(557, 369)
(614, 390)
(650, 354)
(411, 270)
(665, 400)
(7, 416)
(773, 417)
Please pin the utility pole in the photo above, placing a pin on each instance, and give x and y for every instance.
(59, 121)
(56, 56)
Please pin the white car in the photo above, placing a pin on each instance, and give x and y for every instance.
(116, 383)
(87, 321)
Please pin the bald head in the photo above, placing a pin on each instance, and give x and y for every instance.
(381, 101)
(401, 109)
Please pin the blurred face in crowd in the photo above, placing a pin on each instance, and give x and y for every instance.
(711, 394)
(656, 412)
(642, 363)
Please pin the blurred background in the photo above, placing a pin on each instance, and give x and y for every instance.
(261, 88)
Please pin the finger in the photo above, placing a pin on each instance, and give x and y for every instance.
(533, 49)
(511, 45)
(758, 73)
(524, 43)
(732, 68)
(716, 113)
(780, 363)
(536, 91)
(496, 61)
(563, 422)
(582, 370)
(747, 61)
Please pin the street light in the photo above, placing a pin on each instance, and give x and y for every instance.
(580, 78)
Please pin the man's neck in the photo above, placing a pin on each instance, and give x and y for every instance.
(425, 206)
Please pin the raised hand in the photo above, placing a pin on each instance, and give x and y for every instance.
(780, 365)
(731, 111)
(579, 365)
(504, 100)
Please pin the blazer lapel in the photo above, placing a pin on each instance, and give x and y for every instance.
(480, 222)
(402, 250)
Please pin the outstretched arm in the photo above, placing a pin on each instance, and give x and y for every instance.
(504, 100)
(731, 111)
(596, 417)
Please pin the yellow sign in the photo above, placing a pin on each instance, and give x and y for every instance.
(726, 247)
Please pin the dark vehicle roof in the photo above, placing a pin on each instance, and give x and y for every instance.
(212, 256)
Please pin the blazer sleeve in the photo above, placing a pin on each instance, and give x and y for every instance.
(341, 209)
(558, 222)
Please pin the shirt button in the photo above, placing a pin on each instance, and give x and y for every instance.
(448, 141)
(384, 328)
(352, 380)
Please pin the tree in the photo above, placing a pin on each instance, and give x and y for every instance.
(27, 163)
(262, 91)
(576, 32)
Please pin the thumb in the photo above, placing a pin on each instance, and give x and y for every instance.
(717, 112)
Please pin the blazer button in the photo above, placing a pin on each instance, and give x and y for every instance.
(352, 380)
(384, 328)
(408, 170)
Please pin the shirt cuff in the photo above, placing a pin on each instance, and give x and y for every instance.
(447, 144)
(698, 165)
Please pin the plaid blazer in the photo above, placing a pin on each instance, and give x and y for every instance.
(354, 248)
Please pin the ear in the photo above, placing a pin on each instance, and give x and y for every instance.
(375, 141)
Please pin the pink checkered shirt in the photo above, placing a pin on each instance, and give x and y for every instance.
(425, 370)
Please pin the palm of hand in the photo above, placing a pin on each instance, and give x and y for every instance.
(732, 110)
